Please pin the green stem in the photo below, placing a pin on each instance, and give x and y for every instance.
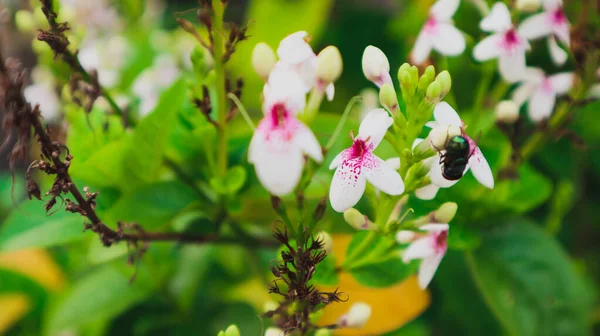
(218, 51)
(313, 105)
(361, 248)
(342, 121)
(242, 109)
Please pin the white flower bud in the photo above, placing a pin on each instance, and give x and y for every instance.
(446, 212)
(272, 331)
(357, 316)
(376, 66)
(270, 305)
(507, 111)
(263, 60)
(405, 236)
(528, 5)
(327, 241)
(439, 136)
(329, 64)
(357, 220)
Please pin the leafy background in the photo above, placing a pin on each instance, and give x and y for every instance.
(523, 259)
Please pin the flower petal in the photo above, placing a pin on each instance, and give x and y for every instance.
(523, 93)
(308, 143)
(374, 126)
(435, 173)
(330, 91)
(512, 66)
(446, 115)
(284, 87)
(562, 82)
(480, 167)
(443, 10)
(551, 4)
(337, 160)
(558, 55)
(422, 48)
(541, 105)
(434, 227)
(347, 186)
(278, 168)
(294, 49)
(428, 268)
(419, 249)
(488, 48)
(562, 32)
(394, 163)
(536, 26)
(381, 175)
(498, 19)
(427, 192)
(448, 40)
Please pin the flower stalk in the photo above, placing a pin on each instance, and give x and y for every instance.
(221, 103)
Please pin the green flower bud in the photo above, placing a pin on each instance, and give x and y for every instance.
(446, 212)
(323, 332)
(198, 60)
(329, 64)
(24, 21)
(434, 92)
(39, 18)
(232, 330)
(441, 134)
(528, 5)
(357, 220)
(427, 78)
(388, 98)
(263, 60)
(403, 69)
(414, 74)
(327, 241)
(445, 81)
(270, 305)
(405, 79)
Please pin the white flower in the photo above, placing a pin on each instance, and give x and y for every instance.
(96, 16)
(506, 44)
(296, 54)
(507, 111)
(444, 115)
(376, 66)
(43, 94)
(541, 91)
(552, 23)
(439, 33)
(357, 316)
(152, 81)
(106, 56)
(357, 165)
(281, 140)
(272, 331)
(430, 249)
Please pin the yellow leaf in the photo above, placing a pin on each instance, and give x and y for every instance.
(391, 307)
(14, 307)
(36, 264)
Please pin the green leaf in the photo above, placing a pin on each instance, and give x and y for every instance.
(12, 282)
(8, 190)
(103, 168)
(230, 183)
(193, 266)
(152, 205)
(325, 273)
(100, 295)
(29, 226)
(528, 282)
(143, 157)
(379, 265)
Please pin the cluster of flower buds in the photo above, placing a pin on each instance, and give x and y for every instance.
(282, 138)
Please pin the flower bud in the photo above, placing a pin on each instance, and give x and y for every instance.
(357, 220)
(427, 78)
(24, 21)
(39, 18)
(376, 66)
(445, 81)
(326, 240)
(263, 60)
(272, 331)
(388, 98)
(323, 332)
(329, 64)
(507, 112)
(528, 5)
(405, 236)
(422, 148)
(446, 212)
(439, 136)
(434, 91)
(357, 316)
(232, 330)
(269, 306)
(414, 74)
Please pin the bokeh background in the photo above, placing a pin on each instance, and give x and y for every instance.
(56, 280)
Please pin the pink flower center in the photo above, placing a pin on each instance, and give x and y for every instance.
(358, 149)
(278, 114)
(558, 16)
(511, 39)
(430, 25)
(441, 241)
(547, 86)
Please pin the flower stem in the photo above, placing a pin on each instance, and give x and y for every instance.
(242, 109)
(361, 248)
(221, 103)
(313, 105)
(342, 121)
